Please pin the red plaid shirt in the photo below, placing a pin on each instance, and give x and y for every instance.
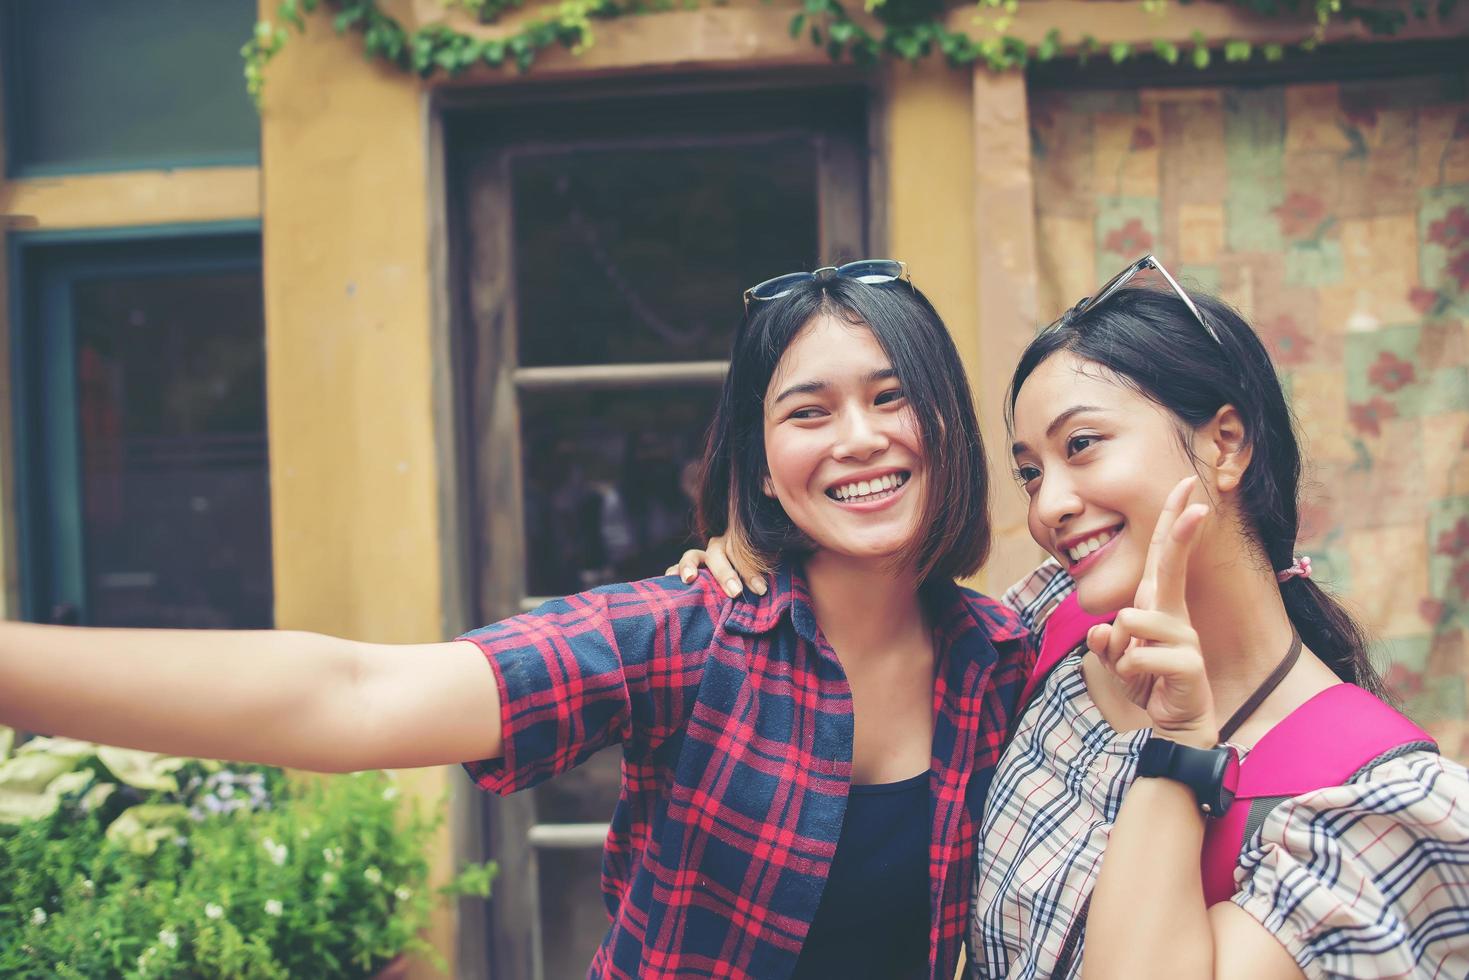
(736, 725)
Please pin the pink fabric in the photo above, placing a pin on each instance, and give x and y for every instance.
(1223, 839)
(1065, 630)
(1321, 743)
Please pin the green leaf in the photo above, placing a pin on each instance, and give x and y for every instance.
(140, 829)
(1235, 51)
(350, 17)
(1274, 52)
(797, 23)
(1201, 58)
(142, 770)
(1050, 45)
(1166, 50)
(1120, 51)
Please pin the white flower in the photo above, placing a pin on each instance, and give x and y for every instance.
(212, 911)
(38, 917)
(328, 878)
(274, 907)
(169, 938)
(331, 854)
(88, 887)
(373, 875)
(402, 894)
(391, 793)
(277, 852)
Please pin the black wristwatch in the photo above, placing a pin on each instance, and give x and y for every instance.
(1213, 774)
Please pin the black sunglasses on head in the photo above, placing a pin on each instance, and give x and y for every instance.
(1127, 275)
(874, 272)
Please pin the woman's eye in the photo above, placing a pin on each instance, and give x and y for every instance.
(890, 396)
(1076, 444)
(806, 414)
(1026, 474)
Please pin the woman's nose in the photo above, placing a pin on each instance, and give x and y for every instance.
(1056, 501)
(860, 437)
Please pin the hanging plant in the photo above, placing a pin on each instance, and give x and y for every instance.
(898, 30)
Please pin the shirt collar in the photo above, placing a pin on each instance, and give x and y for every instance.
(996, 620)
(787, 595)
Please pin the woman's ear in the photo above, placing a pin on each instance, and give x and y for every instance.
(1228, 447)
(767, 487)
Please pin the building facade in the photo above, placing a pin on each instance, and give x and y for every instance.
(402, 355)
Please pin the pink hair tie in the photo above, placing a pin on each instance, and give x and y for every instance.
(1300, 567)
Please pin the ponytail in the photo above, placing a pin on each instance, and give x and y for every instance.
(1331, 633)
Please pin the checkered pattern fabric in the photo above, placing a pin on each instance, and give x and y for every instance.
(1369, 879)
(736, 724)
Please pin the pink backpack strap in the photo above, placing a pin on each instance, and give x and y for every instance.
(1064, 631)
(1324, 742)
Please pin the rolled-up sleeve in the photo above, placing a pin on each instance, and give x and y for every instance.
(1370, 879)
(620, 663)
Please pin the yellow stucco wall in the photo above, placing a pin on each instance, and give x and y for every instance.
(928, 149)
(357, 529)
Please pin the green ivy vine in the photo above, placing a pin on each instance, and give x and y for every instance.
(904, 30)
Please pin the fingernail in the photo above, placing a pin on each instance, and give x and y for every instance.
(687, 575)
(732, 586)
(758, 584)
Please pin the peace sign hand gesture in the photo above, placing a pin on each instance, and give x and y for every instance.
(1151, 647)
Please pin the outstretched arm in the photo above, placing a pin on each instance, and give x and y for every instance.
(284, 698)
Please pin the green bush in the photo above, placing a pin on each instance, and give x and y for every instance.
(142, 866)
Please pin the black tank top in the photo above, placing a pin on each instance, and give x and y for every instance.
(873, 916)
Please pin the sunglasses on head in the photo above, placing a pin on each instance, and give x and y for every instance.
(1122, 278)
(874, 272)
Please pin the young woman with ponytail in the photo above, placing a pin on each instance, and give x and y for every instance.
(1159, 456)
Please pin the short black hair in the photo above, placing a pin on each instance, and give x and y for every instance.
(954, 530)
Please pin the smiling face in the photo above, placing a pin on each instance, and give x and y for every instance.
(843, 452)
(1097, 460)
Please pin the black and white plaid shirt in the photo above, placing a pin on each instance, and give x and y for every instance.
(1370, 879)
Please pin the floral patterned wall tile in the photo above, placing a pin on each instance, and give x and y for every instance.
(1335, 216)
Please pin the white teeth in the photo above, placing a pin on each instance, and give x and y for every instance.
(1080, 551)
(863, 488)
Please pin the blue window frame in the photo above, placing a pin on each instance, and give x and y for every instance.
(142, 468)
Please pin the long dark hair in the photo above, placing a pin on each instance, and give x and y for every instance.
(1149, 340)
(953, 536)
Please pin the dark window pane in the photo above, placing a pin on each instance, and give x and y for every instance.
(171, 413)
(643, 255)
(609, 478)
(117, 84)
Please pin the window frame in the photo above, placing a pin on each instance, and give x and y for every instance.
(45, 442)
(485, 335)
